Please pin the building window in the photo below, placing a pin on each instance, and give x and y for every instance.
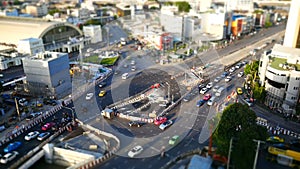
(297, 78)
(296, 88)
(293, 98)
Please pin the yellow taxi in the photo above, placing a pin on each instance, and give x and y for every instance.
(102, 93)
(239, 90)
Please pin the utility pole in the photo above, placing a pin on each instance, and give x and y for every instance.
(256, 154)
(229, 152)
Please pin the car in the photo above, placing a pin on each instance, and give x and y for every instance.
(239, 91)
(166, 124)
(102, 84)
(207, 97)
(12, 146)
(132, 62)
(282, 146)
(237, 66)
(248, 102)
(209, 85)
(174, 140)
(215, 88)
(135, 124)
(232, 69)
(135, 151)
(31, 135)
(160, 120)
(42, 136)
(275, 139)
(23, 102)
(211, 101)
(224, 74)
(241, 74)
(9, 157)
(133, 68)
(203, 90)
(89, 96)
(102, 93)
(48, 126)
(228, 79)
(38, 104)
(188, 97)
(200, 103)
(49, 102)
(125, 65)
(200, 86)
(217, 79)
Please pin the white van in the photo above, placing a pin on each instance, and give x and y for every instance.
(220, 91)
(125, 76)
(211, 101)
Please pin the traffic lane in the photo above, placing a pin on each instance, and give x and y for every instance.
(250, 40)
(29, 145)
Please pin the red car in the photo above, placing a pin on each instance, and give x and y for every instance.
(160, 120)
(48, 126)
(207, 97)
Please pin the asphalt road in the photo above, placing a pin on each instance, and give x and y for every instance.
(29, 145)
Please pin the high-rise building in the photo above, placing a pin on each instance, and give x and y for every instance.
(292, 33)
(279, 70)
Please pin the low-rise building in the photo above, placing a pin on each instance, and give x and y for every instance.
(279, 72)
(47, 74)
(37, 10)
(9, 58)
(31, 46)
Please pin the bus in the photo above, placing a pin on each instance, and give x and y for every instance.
(289, 158)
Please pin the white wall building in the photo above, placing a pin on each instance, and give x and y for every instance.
(292, 36)
(37, 10)
(213, 24)
(279, 72)
(93, 31)
(9, 58)
(31, 46)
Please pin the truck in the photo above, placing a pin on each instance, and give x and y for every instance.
(108, 113)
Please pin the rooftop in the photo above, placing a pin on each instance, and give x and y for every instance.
(281, 64)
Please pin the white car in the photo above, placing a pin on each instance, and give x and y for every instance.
(31, 135)
(203, 90)
(133, 68)
(9, 157)
(42, 136)
(135, 151)
(217, 79)
(241, 74)
(132, 62)
(89, 96)
(211, 101)
(166, 124)
(209, 85)
(215, 88)
(228, 78)
(232, 69)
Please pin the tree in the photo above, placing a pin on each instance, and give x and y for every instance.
(183, 6)
(52, 12)
(259, 92)
(16, 2)
(239, 122)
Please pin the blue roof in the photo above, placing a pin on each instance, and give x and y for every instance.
(199, 162)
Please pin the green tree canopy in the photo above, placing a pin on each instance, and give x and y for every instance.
(239, 122)
(183, 6)
(53, 11)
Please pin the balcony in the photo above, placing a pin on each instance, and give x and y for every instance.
(278, 77)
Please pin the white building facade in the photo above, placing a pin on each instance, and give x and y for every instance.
(279, 72)
(31, 46)
(94, 32)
